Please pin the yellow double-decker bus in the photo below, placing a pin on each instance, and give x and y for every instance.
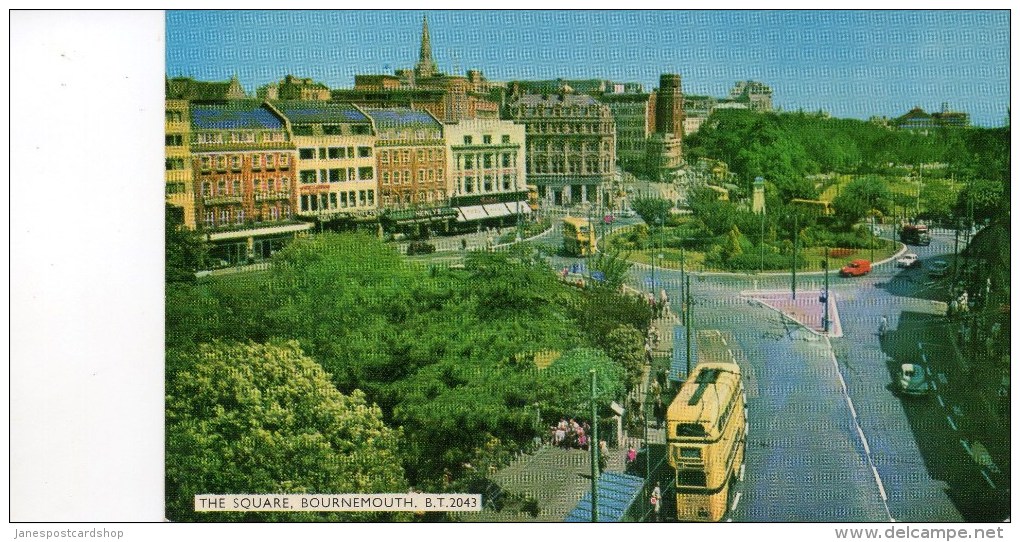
(578, 236)
(706, 434)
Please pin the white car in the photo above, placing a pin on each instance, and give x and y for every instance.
(913, 380)
(908, 260)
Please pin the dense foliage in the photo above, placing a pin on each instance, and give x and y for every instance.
(447, 354)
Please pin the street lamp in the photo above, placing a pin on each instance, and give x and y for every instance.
(793, 266)
(825, 296)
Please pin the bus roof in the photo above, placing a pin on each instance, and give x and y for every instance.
(703, 397)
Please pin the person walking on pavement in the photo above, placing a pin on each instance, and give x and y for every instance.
(656, 501)
(603, 456)
(883, 326)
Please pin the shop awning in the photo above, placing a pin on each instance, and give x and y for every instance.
(496, 210)
(513, 207)
(471, 213)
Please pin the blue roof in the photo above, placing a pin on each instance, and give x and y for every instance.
(304, 112)
(233, 116)
(617, 493)
(678, 365)
(402, 117)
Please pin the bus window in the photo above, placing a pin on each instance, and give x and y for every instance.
(691, 477)
(690, 453)
(690, 430)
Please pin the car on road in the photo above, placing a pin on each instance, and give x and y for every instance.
(627, 213)
(856, 268)
(908, 260)
(913, 380)
(938, 268)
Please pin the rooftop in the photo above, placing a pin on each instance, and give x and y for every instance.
(402, 117)
(308, 112)
(233, 115)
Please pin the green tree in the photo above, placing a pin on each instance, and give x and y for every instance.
(185, 249)
(733, 247)
(986, 199)
(625, 345)
(264, 418)
(613, 267)
(859, 197)
(565, 387)
(652, 210)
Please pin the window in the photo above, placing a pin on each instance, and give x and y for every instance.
(488, 160)
(506, 160)
(306, 154)
(506, 182)
(343, 199)
(384, 157)
(690, 477)
(350, 152)
(365, 173)
(256, 161)
(307, 176)
(421, 175)
(469, 162)
(236, 189)
(173, 164)
(488, 183)
(225, 216)
(174, 188)
(487, 139)
(432, 175)
(361, 197)
(364, 152)
(303, 130)
(174, 140)
(221, 187)
(235, 162)
(386, 177)
(284, 160)
(221, 163)
(407, 156)
(313, 203)
(469, 185)
(421, 155)
(467, 140)
(206, 189)
(206, 163)
(332, 200)
(174, 116)
(350, 174)
(506, 139)
(323, 201)
(360, 130)
(323, 176)
(371, 197)
(208, 138)
(332, 130)
(239, 217)
(274, 212)
(407, 176)
(270, 161)
(322, 153)
(335, 175)
(242, 137)
(286, 184)
(335, 152)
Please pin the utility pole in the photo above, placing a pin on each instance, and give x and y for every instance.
(687, 327)
(683, 312)
(594, 447)
(872, 237)
(793, 266)
(825, 315)
(761, 246)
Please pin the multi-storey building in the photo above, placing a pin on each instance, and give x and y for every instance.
(757, 96)
(243, 173)
(570, 146)
(180, 190)
(411, 162)
(295, 88)
(186, 88)
(336, 176)
(634, 114)
(919, 120)
(486, 172)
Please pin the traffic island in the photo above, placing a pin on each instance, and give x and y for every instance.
(808, 310)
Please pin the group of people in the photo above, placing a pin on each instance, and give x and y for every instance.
(660, 305)
(571, 434)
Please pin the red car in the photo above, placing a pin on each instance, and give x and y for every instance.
(856, 268)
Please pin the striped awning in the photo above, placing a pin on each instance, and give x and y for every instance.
(471, 213)
(496, 210)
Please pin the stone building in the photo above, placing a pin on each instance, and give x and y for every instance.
(757, 96)
(295, 88)
(634, 114)
(336, 174)
(485, 171)
(180, 188)
(186, 88)
(570, 146)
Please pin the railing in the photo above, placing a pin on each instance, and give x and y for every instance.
(272, 196)
(220, 200)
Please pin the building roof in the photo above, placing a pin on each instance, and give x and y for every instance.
(402, 118)
(311, 112)
(186, 88)
(233, 115)
(551, 100)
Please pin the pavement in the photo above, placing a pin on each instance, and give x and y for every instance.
(807, 310)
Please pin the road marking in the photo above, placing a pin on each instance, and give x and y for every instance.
(958, 412)
(966, 447)
(742, 465)
(860, 432)
(951, 424)
(928, 369)
(851, 405)
(878, 480)
(747, 428)
(933, 386)
(987, 479)
(736, 499)
(941, 402)
(943, 379)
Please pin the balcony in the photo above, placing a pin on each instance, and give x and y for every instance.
(272, 196)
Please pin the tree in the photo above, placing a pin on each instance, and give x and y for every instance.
(625, 345)
(185, 250)
(613, 267)
(565, 387)
(733, 247)
(986, 199)
(860, 197)
(652, 210)
(264, 418)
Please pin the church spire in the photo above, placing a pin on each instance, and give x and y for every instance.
(426, 66)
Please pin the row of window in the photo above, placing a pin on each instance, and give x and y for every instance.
(488, 183)
(333, 129)
(334, 153)
(557, 165)
(486, 160)
(403, 156)
(407, 134)
(424, 175)
(336, 175)
(574, 111)
(216, 138)
(269, 185)
(486, 139)
(409, 198)
(235, 161)
(226, 216)
(567, 128)
(337, 200)
(557, 145)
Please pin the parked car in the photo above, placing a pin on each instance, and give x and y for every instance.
(856, 268)
(908, 260)
(938, 268)
(913, 380)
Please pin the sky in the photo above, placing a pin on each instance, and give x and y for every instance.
(854, 64)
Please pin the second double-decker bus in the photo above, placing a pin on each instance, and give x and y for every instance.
(706, 433)
(578, 236)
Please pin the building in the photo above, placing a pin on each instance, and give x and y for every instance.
(919, 120)
(412, 171)
(243, 175)
(757, 96)
(486, 172)
(295, 88)
(634, 114)
(180, 188)
(186, 88)
(449, 98)
(570, 146)
(336, 174)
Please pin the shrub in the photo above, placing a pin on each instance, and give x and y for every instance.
(420, 247)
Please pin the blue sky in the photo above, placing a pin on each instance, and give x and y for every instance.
(849, 63)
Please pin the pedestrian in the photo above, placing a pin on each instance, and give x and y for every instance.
(656, 501)
(463, 244)
(883, 326)
(661, 377)
(655, 388)
(660, 411)
(631, 455)
(648, 352)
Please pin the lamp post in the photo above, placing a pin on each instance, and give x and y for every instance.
(793, 266)
(825, 296)
(687, 326)
(594, 447)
